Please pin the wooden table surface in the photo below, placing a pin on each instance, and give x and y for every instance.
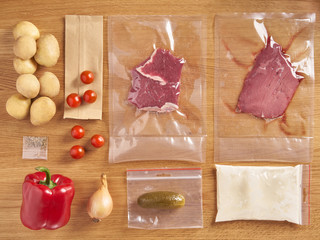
(49, 17)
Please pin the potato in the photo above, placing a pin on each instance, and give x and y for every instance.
(42, 111)
(48, 51)
(25, 28)
(18, 106)
(25, 47)
(24, 66)
(49, 85)
(28, 85)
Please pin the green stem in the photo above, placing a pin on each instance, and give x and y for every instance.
(48, 182)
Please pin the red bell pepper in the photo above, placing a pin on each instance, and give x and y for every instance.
(46, 200)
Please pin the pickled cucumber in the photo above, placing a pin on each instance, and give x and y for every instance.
(161, 200)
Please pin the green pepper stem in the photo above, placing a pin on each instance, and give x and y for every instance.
(48, 182)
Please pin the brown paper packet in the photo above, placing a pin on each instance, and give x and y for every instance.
(83, 51)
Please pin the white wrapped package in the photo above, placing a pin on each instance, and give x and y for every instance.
(263, 193)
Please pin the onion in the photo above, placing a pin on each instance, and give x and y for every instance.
(100, 204)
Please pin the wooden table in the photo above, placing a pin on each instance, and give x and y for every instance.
(49, 17)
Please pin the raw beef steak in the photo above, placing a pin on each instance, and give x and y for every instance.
(151, 94)
(162, 66)
(270, 85)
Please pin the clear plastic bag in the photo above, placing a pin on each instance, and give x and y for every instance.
(35, 147)
(263, 193)
(184, 181)
(138, 131)
(264, 102)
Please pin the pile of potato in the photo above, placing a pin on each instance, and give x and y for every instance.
(30, 50)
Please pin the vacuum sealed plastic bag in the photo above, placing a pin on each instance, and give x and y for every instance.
(164, 198)
(263, 193)
(157, 101)
(264, 83)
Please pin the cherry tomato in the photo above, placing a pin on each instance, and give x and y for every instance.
(77, 132)
(87, 77)
(97, 141)
(74, 100)
(77, 152)
(90, 96)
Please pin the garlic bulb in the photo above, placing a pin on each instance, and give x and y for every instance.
(100, 204)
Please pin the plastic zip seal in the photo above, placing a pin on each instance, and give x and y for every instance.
(183, 181)
(35, 147)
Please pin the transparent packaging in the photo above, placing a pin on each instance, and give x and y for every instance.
(177, 130)
(263, 193)
(35, 147)
(264, 87)
(184, 181)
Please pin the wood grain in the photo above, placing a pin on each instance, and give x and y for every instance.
(49, 17)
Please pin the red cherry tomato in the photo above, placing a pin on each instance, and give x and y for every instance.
(77, 132)
(74, 100)
(97, 141)
(87, 77)
(77, 152)
(90, 96)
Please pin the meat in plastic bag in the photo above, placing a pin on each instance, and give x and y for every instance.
(156, 83)
(157, 88)
(264, 84)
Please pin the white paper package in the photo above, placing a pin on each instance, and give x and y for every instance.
(263, 193)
